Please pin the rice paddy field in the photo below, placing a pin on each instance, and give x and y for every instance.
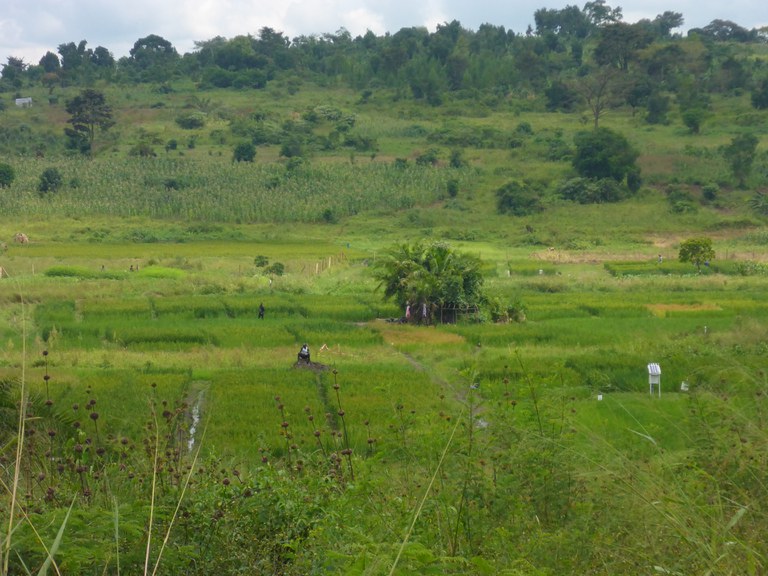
(532, 446)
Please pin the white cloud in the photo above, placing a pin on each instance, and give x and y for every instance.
(360, 20)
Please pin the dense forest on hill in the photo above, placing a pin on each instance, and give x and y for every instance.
(566, 44)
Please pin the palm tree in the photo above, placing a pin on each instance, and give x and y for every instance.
(434, 274)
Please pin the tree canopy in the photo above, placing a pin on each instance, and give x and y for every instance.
(697, 251)
(604, 153)
(432, 274)
(7, 175)
(740, 154)
(88, 111)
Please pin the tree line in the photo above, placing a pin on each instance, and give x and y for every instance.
(571, 54)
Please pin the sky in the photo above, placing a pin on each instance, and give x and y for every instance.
(30, 28)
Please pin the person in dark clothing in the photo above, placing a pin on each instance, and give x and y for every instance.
(261, 311)
(304, 354)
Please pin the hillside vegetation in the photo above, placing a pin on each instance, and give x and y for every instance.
(596, 188)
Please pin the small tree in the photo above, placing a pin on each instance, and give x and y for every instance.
(603, 153)
(693, 118)
(50, 181)
(87, 111)
(7, 175)
(696, 251)
(244, 152)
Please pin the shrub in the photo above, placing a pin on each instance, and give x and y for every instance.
(634, 180)
(276, 268)
(428, 158)
(457, 159)
(329, 217)
(680, 201)
(142, 150)
(518, 198)
(760, 95)
(244, 152)
(587, 191)
(173, 184)
(759, 203)
(710, 191)
(191, 121)
(291, 148)
(50, 181)
(7, 175)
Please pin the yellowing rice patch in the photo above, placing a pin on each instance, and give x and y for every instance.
(404, 334)
(661, 310)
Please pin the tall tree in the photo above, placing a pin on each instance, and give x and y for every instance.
(153, 58)
(740, 154)
(13, 71)
(88, 111)
(599, 13)
(50, 62)
(74, 55)
(599, 90)
(619, 44)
